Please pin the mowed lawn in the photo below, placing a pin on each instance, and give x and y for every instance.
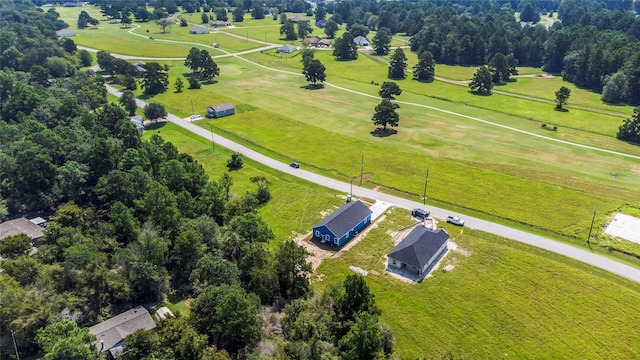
(508, 175)
(295, 205)
(502, 300)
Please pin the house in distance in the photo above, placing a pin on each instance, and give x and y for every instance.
(216, 111)
(343, 224)
(418, 250)
(199, 30)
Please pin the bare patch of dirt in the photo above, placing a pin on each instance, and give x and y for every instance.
(317, 253)
(454, 247)
(373, 272)
(377, 188)
(366, 177)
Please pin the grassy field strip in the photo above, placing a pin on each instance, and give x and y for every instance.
(456, 114)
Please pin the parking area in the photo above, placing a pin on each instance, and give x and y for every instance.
(625, 227)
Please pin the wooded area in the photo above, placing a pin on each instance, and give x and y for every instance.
(131, 222)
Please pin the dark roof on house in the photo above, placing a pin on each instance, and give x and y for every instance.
(321, 23)
(221, 107)
(325, 42)
(20, 226)
(419, 246)
(345, 218)
(299, 19)
(111, 332)
(311, 40)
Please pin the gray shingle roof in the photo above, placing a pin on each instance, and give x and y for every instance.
(288, 47)
(111, 332)
(222, 107)
(20, 226)
(419, 246)
(345, 218)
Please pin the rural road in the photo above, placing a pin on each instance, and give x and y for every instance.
(584, 256)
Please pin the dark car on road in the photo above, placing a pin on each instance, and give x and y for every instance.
(295, 165)
(421, 214)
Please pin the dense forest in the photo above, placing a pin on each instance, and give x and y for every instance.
(132, 222)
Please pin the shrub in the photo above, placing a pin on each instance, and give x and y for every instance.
(235, 162)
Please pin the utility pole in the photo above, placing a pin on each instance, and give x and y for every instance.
(361, 168)
(15, 346)
(424, 193)
(591, 228)
(193, 110)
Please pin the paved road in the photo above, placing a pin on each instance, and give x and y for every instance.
(584, 256)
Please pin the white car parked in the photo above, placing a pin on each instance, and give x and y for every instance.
(455, 220)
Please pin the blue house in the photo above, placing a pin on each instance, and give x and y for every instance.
(321, 23)
(337, 228)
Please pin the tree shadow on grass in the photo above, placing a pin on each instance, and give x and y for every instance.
(424, 81)
(155, 126)
(561, 109)
(383, 133)
(313, 86)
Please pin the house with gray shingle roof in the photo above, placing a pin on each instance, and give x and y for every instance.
(361, 40)
(111, 333)
(216, 111)
(66, 32)
(418, 250)
(287, 49)
(32, 229)
(343, 224)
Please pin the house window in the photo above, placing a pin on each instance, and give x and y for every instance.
(317, 233)
(327, 237)
(335, 241)
(394, 262)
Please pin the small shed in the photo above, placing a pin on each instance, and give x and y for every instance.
(66, 32)
(321, 23)
(138, 121)
(343, 224)
(199, 30)
(361, 40)
(419, 249)
(287, 49)
(216, 111)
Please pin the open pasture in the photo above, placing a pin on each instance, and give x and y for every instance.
(502, 300)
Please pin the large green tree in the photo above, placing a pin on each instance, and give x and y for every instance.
(482, 81)
(331, 28)
(288, 30)
(382, 41)
(389, 90)
(14, 246)
(562, 95)
(425, 69)
(128, 101)
(293, 270)
(385, 114)
(155, 79)
(66, 340)
(397, 64)
(630, 129)
(314, 71)
(344, 48)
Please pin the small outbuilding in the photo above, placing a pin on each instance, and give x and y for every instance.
(66, 32)
(297, 19)
(138, 122)
(218, 23)
(361, 40)
(33, 229)
(287, 49)
(321, 23)
(199, 30)
(419, 250)
(343, 224)
(216, 111)
(111, 333)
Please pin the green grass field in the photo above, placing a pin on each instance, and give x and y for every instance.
(498, 171)
(504, 300)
